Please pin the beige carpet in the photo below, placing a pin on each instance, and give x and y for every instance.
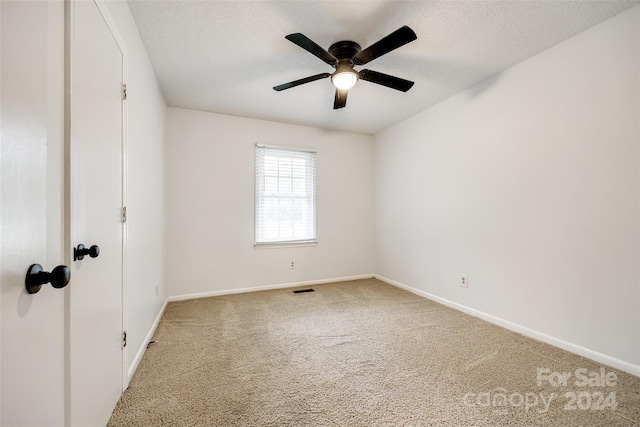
(359, 353)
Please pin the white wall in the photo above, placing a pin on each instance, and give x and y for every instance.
(145, 188)
(528, 183)
(210, 202)
(31, 357)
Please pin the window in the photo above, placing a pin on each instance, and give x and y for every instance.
(285, 192)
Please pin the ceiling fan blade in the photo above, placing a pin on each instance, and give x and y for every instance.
(301, 81)
(310, 46)
(398, 38)
(341, 99)
(386, 80)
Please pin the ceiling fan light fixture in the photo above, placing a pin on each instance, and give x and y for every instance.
(344, 55)
(344, 79)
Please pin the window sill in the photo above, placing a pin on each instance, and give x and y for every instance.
(276, 245)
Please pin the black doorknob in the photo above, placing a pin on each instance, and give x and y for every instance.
(81, 251)
(59, 277)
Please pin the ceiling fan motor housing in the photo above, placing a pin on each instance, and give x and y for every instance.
(345, 50)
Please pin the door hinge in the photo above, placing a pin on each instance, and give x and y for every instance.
(124, 338)
(124, 91)
(124, 214)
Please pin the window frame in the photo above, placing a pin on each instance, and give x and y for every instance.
(259, 180)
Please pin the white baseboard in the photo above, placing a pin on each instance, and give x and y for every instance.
(556, 342)
(145, 342)
(266, 288)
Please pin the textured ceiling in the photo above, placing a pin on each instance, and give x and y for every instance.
(225, 56)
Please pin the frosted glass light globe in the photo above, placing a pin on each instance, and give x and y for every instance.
(344, 80)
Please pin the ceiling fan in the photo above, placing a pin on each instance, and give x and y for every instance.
(344, 55)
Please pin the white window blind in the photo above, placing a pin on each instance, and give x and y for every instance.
(285, 196)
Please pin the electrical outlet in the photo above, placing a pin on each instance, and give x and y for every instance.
(464, 280)
(292, 264)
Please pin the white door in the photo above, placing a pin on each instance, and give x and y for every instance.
(96, 201)
(31, 332)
